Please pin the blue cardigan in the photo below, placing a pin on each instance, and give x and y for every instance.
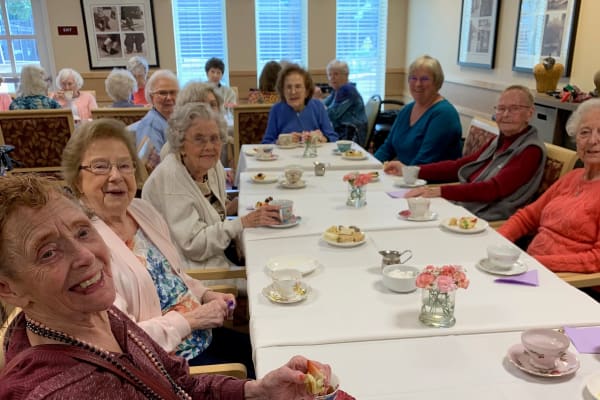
(284, 119)
(434, 137)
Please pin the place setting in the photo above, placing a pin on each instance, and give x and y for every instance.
(354, 155)
(286, 214)
(286, 141)
(286, 287)
(503, 260)
(265, 153)
(292, 178)
(466, 224)
(409, 178)
(342, 146)
(264, 178)
(418, 210)
(344, 236)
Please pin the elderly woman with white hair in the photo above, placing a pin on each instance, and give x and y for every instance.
(200, 92)
(120, 86)
(138, 66)
(32, 93)
(69, 95)
(188, 189)
(345, 106)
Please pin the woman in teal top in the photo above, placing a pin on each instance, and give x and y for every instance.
(428, 129)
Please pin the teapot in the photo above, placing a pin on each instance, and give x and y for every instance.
(391, 257)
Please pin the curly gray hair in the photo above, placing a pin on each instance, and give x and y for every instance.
(184, 116)
(65, 73)
(337, 65)
(138, 66)
(160, 74)
(120, 84)
(197, 92)
(33, 81)
(574, 122)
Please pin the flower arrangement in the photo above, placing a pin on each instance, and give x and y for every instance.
(310, 140)
(357, 193)
(444, 279)
(357, 180)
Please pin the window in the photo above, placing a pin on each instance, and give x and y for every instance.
(281, 31)
(22, 33)
(361, 29)
(200, 34)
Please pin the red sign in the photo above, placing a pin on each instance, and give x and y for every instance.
(67, 30)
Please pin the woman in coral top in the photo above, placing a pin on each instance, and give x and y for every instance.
(565, 219)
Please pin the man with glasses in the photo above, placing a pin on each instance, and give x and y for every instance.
(161, 92)
(501, 176)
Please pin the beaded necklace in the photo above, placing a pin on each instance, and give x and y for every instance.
(41, 330)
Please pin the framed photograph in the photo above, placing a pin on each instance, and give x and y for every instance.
(545, 28)
(478, 28)
(118, 30)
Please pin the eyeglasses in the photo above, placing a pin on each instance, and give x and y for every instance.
(203, 141)
(511, 109)
(103, 167)
(165, 93)
(422, 79)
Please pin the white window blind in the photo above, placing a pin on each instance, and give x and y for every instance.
(200, 34)
(361, 28)
(281, 31)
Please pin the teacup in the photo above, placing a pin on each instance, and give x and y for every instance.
(286, 282)
(544, 346)
(418, 206)
(68, 94)
(264, 151)
(344, 145)
(410, 174)
(503, 256)
(293, 174)
(285, 139)
(286, 210)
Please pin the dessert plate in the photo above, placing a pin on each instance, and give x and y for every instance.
(480, 226)
(267, 178)
(298, 185)
(400, 183)
(304, 264)
(250, 152)
(302, 290)
(344, 244)
(407, 215)
(517, 268)
(519, 357)
(593, 385)
(294, 222)
(272, 157)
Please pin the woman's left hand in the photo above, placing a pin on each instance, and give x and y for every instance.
(209, 295)
(427, 191)
(319, 135)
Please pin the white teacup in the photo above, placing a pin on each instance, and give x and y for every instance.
(418, 206)
(68, 94)
(286, 210)
(544, 346)
(285, 139)
(286, 282)
(503, 256)
(410, 174)
(264, 152)
(293, 174)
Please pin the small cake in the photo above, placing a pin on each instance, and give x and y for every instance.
(260, 204)
(260, 176)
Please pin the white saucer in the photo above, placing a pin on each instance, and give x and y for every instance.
(593, 385)
(304, 264)
(267, 179)
(400, 183)
(272, 157)
(295, 222)
(519, 357)
(517, 268)
(302, 292)
(431, 216)
(344, 244)
(480, 226)
(250, 152)
(298, 185)
(356, 158)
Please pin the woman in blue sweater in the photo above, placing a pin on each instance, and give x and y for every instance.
(298, 112)
(428, 129)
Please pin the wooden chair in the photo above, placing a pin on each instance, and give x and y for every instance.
(559, 161)
(480, 132)
(39, 137)
(249, 125)
(580, 280)
(128, 115)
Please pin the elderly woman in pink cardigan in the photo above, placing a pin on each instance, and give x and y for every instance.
(177, 311)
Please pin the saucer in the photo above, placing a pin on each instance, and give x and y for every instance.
(593, 385)
(356, 158)
(302, 263)
(294, 222)
(406, 215)
(250, 152)
(302, 292)
(271, 157)
(480, 226)
(344, 244)
(336, 152)
(519, 357)
(298, 185)
(400, 183)
(267, 179)
(517, 268)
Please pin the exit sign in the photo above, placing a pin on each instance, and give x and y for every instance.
(67, 30)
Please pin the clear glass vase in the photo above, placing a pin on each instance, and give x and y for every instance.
(310, 148)
(437, 308)
(357, 196)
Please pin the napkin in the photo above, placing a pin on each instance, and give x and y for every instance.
(528, 278)
(398, 194)
(585, 340)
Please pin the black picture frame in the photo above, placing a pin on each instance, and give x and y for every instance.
(117, 31)
(548, 29)
(478, 31)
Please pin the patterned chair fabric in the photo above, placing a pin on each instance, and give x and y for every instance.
(39, 136)
(249, 125)
(559, 161)
(127, 115)
(480, 132)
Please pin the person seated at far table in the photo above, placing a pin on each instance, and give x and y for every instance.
(298, 112)
(138, 66)
(120, 86)
(5, 99)
(267, 85)
(565, 220)
(69, 95)
(345, 106)
(215, 68)
(32, 93)
(428, 129)
(69, 341)
(503, 175)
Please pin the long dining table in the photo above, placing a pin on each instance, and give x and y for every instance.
(371, 336)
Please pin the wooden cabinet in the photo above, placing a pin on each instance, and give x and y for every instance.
(550, 118)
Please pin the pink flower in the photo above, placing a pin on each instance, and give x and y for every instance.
(424, 279)
(445, 283)
(357, 180)
(444, 279)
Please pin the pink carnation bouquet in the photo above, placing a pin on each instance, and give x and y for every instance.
(439, 286)
(443, 279)
(357, 180)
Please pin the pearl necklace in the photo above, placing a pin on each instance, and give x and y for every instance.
(41, 330)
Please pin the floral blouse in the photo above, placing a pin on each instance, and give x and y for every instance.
(36, 102)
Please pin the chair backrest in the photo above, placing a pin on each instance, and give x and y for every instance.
(372, 110)
(249, 125)
(39, 136)
(559, 161)
(128, 115)
(11, 313)
(480, 132)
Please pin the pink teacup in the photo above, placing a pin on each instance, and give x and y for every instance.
(545, 347)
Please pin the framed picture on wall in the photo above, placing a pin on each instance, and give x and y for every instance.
(545, 28)
(117, 31)
(478, 28)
